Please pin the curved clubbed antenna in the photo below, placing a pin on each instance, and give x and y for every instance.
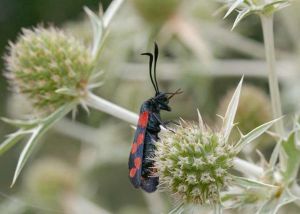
(150, 69)
(156, 53)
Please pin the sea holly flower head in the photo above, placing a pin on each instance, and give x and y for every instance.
(56, 72)
(193, 162)
(49, 67)
(248, 7)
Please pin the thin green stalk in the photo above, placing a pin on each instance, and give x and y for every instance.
(268, 33)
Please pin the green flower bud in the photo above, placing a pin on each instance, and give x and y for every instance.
(193, 163)
(43, 61)
(156, 11)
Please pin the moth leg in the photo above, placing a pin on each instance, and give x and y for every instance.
(163, 124)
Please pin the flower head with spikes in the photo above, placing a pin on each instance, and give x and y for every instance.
(56, 72)
(45, 63)
(193, 162)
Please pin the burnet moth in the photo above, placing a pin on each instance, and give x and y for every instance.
(141, 164)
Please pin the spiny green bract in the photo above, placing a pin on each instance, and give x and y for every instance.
(45, 60)
(193, 164)
(254, 109)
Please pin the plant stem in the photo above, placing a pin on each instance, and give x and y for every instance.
(110, 108)
(267, 26)
(247, 168)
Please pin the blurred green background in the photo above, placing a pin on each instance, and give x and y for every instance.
(82, 165)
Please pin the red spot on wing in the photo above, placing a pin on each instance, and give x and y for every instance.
(134, 148)
(132, 172)
(140, 139)
(137, 162)
(143, 119)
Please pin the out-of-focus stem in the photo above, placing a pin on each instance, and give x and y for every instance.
(267, 26)
(110, 108)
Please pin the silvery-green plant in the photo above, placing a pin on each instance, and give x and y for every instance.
(265, 10)
(281, 176)
(56, 72)
(193, 162)
(283, 166)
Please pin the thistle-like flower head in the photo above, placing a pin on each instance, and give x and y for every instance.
(44, 62)
(193, 163)
(56, 72)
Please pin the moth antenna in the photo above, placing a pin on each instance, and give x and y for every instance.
(156, 53)
(178, 91)
(150, 68)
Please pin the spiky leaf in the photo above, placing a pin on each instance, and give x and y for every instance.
(10, 142)
(255, 133)
(97, 26)
(242, 14)
(292, 159)
(36, 133)
(233, 7)
(250, 183)
(231, 111)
